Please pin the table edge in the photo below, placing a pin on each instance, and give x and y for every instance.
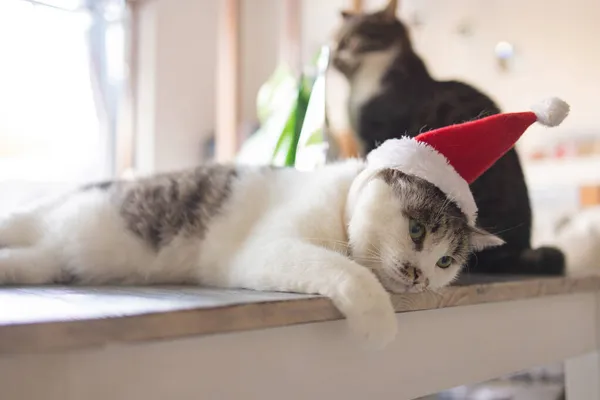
(154, 326)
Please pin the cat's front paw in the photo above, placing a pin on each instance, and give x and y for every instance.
(368, 309)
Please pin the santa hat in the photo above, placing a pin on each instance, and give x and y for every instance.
(453, 157)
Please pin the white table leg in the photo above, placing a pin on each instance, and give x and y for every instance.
(582, 377)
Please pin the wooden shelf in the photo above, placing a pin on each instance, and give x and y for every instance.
(53, 318)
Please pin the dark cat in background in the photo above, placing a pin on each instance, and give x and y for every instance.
(392, 94)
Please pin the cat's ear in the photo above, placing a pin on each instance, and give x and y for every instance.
(389, 12)
(481, 239)
(346, 14)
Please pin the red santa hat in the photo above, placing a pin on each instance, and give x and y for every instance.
(453, 157)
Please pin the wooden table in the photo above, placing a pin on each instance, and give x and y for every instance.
(59, 343)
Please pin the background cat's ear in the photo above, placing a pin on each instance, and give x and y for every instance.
(481, 239)
(347, 14)
(389, 12)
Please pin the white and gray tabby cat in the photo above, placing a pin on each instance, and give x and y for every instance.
(347, 231)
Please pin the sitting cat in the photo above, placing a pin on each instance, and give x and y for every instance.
(392, 94)
(403, 220)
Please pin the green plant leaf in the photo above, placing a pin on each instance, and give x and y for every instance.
(304, 93)
(275, 101)
(312, 146)
(286, 140)
(279, 89)
(315, 138)
(282, 104)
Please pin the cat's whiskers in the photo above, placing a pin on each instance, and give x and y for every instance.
(342, 243)
(396, 272)
(506, 230)
(371, 259)
(374, 253)
(373, 250)
(368, 259)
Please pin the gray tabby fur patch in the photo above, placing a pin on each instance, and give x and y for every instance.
(159, 208)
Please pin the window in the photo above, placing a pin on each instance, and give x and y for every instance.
(62, 75)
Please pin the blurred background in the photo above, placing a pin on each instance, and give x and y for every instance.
(91, 89)
(94, 89)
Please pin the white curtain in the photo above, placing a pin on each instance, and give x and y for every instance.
(60, 77)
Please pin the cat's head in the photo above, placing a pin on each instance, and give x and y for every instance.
(368, 35)
(408, 232)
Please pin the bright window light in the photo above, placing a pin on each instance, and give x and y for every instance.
(58, 93)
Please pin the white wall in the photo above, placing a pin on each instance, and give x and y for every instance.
(319, 18)
(260, 45)
(176, 83)
(176, 95)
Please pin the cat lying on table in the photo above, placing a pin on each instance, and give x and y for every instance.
(403, 220)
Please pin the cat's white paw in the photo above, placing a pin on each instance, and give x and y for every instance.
(368, 309)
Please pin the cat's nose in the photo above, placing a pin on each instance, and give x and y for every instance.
(413, 272)
(417, 274)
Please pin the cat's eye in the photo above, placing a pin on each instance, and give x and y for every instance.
(444, 262)
(416, 230)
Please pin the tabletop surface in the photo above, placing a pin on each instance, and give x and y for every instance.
(59, 317)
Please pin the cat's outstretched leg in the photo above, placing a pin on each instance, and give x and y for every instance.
(295, 266)
(28, 266)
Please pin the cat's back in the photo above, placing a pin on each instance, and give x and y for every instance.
(456, 102)
(290, 200)
(411, 106)
(157, 208)
(178, 226)
(425, 105)
(276, 205)
(139, 225)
